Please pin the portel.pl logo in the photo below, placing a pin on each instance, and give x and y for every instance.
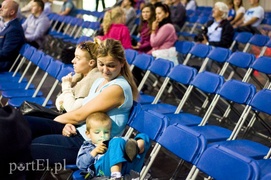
(37, 165)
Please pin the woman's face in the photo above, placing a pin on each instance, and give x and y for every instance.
(237, 2)
(146, 13)
(216, 12)
(81, 61)
(109, 67)
(160, 14)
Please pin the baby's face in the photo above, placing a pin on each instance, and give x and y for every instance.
(99, 132)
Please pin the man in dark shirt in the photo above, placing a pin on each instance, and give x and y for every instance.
(11, 34)
(178, 13)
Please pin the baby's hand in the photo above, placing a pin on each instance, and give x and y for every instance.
(99, 149)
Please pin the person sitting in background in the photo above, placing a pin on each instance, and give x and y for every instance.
(240, 11)
(11, 34)
(219, 31)
(163, 35)
(36, 25)
(231, 13)
(144, 45)
(178, 13)
(98, 158)
(128, 8)
(155, 2)
(252, 18)
(146, 19)
(114, 27)
(68, 9)
(189, 4)
(75, 88)
(47, 7)
(26, 10)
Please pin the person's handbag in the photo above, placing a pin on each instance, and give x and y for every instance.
(34, 109)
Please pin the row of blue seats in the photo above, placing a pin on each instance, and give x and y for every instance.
(16, 88)
(192, 142)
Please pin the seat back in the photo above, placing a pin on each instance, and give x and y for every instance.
(221, 163)
(182, 74)
(150, 123)
(262, 101)
(44, 63)
(219, 55)
(207, 82)
(237, 60)
(183, 47)
(142, 61)
(199, 51)
(35, 58)
(155, 75)
(258, 40)
(262, 66)
(161, 67)
(237, 91)
(187, 148)
(241, 38)
(130, 55)
(54, 68)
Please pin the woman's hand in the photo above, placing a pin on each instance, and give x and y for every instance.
(67, 78)
(137, 46)
(69, 130)
(154, 25)
(205, 41)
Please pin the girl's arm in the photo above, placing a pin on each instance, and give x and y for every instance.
(109, 98)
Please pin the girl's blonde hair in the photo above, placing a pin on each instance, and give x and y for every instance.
(113, 48)
(112, 16)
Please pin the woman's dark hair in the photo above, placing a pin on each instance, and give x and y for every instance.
(166, 9)
(132, 2)
(152, 18)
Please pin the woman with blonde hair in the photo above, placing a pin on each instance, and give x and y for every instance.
(113, 94)
(114, 27)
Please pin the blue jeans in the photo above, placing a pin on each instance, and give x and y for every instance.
(49, 144)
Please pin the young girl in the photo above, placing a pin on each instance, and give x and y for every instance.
(239, 11)
(114, 27)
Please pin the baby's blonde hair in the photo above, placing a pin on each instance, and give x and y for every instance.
(97, 116)
(112, 16)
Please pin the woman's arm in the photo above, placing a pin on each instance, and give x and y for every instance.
(158, 38)
(109, 98)
(237, 18)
